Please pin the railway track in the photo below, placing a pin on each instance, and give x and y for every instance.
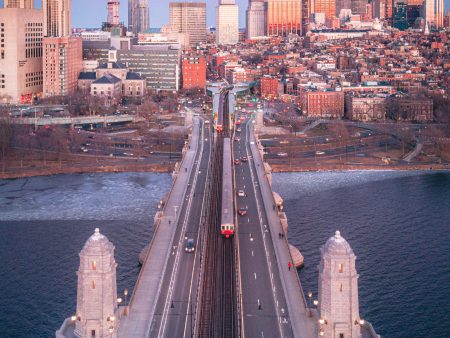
(218, 303)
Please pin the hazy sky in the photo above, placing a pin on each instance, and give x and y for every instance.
(90, 13)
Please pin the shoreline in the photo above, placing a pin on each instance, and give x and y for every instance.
(151, 168)
(164, 168)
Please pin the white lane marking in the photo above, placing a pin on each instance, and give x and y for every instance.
(252, 253)
(189, 306)
(253, 175)
(255, 274)
(177, 256)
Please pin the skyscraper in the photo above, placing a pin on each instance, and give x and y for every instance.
(18, 4)
(342, 4)
(21, 33)
(113, 13)
(359, 7)
(428, 11)
(439, 13)
(189, 17)
(56, 17)
(285, 17)
(255, 19)
(328, 7)
(227, 23)
(138, 16)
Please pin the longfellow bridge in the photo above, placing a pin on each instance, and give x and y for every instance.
(219, 263)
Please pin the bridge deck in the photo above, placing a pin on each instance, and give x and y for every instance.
(142, 307)
(303, 325)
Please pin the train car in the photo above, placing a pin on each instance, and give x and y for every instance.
(219, 123)
(227, 216)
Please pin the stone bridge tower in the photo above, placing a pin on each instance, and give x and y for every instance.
(97, 290)
(338, 290)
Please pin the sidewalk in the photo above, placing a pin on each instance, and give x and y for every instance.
(302, 325)
(145, 296)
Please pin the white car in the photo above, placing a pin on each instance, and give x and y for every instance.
(318, 152)
(282, 154)
(241, 193)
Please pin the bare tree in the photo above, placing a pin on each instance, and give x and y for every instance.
(5, 140)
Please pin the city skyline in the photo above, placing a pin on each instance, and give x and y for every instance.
(159, 12)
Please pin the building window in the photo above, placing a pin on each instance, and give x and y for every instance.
(341, 268)
(94, 265)
(93, 284)
(341, 335)
(92, 333)
(340, 289)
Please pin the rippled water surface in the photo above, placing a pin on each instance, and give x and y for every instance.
(398, 224)
(44, 222)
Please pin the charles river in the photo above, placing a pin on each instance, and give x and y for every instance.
(398, 224)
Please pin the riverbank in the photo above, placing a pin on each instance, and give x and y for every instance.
(56, 168)
(285, 168)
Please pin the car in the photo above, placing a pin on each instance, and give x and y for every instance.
(318, 152)
(236, 161)
(237, 139)
(239, 130)
(242, 211)
(190, 246)
(282, 154)
(241, 193)
(244, 159)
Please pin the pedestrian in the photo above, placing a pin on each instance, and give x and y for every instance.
(289, 265)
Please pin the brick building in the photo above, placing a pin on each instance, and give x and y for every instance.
(62, 59)
(365, 108)
(194, 72)
(410, 109)
(269, 87)
(322, 103)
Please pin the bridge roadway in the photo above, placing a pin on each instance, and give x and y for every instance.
(162, 255)
(303, 326)
(264, 309)
(79, 120)
(175, 311)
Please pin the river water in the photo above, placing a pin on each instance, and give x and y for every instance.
(396, 222)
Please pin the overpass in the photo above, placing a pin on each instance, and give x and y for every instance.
(73, 121)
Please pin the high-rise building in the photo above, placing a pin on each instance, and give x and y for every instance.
(190, 18)
(21, 32)
(338, 290)
(56, 17)
(138, 16)
(227, 23)
(342, 4)
(18, 3)
(428, 12)
(400, 19)
(113, 13)
(306, 15)
(284, 17)
(256, 23)
(62, 58)
(359, 7)
(327, 7)
(389, 11)
(379, 9)
(439, 13)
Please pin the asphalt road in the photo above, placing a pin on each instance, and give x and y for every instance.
(264, 310)
(174, 311)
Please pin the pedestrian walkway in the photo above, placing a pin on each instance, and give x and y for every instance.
(143, 302)
(302, 325)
